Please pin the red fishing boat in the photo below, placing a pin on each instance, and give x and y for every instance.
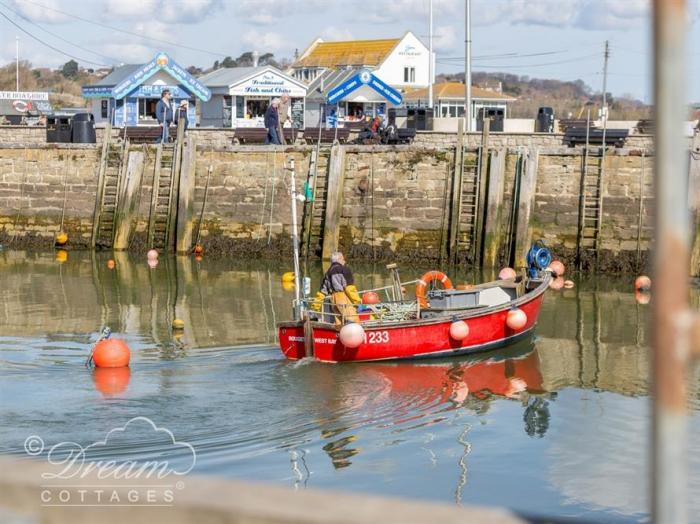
(439, 323)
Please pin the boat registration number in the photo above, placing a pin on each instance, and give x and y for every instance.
(377, 337)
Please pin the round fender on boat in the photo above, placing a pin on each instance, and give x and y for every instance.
(459, 330)
(352, 335)
(507, 273)
(370, 297)
(111, 353)
(516, 319)
(152, 254)
(557, 267)
(642, 283)
(556, 283)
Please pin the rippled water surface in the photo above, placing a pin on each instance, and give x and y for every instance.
(556, 426)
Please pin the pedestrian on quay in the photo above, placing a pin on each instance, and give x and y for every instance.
(181, 114)
(272, 122)
(164, 115)
(283, 112)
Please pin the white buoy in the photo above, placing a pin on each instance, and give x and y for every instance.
(352, 335)
(516, 319)
(459, 330)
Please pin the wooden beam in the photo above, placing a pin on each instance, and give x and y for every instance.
(493, 227)
(185, 208)
(694, 204)
(528, 185)
(477, 243)
(126, 209)
(456, 202)
(334, 201)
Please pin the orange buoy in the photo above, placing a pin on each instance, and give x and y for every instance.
(198, 249)
(422, 285)
(642, 297)
(557, 267)
(642, 283)
(61, 239)
(556, 283)
(110, 264)
(111, 381)
(370, 297)
(459, 330)
(507, 273)
(111, 353)
(516, 319)
(198, 258)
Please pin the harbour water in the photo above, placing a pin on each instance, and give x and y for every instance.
(555, 426)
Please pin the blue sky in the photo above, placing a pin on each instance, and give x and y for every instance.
(565, 37)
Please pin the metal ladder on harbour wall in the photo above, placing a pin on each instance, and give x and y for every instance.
(109, 180)
(315, 209)
(467, 222)
(590, 205)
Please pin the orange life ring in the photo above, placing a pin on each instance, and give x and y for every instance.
(426, 279)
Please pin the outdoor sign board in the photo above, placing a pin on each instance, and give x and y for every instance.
(268, 84)
(364, 77)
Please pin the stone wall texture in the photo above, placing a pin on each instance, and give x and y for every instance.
(395, 201)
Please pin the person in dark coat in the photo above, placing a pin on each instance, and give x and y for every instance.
(272, 123)
(164, 115)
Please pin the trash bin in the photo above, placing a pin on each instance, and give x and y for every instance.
(496, 117)
(397, 116)
(83, 129)
(420, 118)
(545, 120)
(58, 129)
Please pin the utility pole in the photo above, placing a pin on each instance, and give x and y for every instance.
(17, 62)
(606, 55)
(430, 58)
(468, 65)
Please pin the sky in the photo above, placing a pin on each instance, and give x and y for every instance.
(561, 39)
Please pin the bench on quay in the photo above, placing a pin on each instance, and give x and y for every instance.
(257, 135)
(613, 137)
(146, 134)
(311, 135)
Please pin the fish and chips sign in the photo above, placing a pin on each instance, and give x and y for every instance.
(268, 84)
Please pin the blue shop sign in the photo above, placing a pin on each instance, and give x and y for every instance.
(364, 77)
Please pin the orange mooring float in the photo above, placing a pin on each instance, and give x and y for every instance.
(111, 353)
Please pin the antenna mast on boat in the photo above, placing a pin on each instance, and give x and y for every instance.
(295, 236)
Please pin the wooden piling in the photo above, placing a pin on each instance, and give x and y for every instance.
(493, 227)
(185, 205)
(175, 186)
(455, 205)
(126, 209)
(334, 202)
(477, 244)
(523, 232)
(694, 204)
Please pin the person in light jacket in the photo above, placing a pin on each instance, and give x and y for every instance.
(164, 115)
(181, 114)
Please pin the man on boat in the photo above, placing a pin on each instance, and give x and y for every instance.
(339, 284)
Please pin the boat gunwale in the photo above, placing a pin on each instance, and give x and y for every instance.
(525, 298)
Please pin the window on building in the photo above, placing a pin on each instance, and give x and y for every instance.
(147, 108)
(104, 109)
(409, 75)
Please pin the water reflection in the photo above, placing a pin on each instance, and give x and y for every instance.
(556, 425)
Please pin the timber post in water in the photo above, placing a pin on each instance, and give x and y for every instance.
(185, 206)
(334, 200)
(126, 204)
(493, 226)
(526, 202)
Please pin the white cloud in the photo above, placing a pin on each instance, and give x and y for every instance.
(445, 38)
(181, 12)
(268, 42)
(270, 12)
(43, 11)
(332, 33)
(129, 53)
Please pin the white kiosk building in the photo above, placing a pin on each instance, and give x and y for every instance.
(240, 96)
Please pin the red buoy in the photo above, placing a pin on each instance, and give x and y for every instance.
(516, 319)
(111, 353)
(198, 249)
(370, 297)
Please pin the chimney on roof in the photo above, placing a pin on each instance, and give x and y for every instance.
(256, 57)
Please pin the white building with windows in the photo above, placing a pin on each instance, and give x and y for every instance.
(403, 63)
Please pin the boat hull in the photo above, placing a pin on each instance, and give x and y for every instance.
(424, 338)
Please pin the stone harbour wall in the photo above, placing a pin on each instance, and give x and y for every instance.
(395, 201)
